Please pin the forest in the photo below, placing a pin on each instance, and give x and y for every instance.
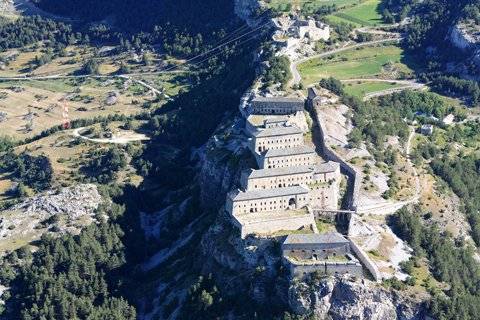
(143, 15)
(451, 262)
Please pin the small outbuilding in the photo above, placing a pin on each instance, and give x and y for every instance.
(426, 129)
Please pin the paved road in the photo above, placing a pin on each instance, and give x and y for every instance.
(296, 77)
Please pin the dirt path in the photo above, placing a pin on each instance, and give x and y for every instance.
(408, 149)
(122, 138)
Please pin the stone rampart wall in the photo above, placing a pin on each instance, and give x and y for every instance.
(366, 261)
(269, 226)
(333, 156)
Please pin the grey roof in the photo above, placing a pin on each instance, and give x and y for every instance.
(329, 166)
(276, 120)
(278, 102)
(277, 131)
(271, 153)
(277, 99)
(267, 193)
(275, 172)
(331, 237)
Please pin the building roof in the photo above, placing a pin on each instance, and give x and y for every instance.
(273, 120)
(275, 172)
(271, 153)
(278, 102)
(329, 166)
(277, 131)
(267, 193)
(330, 237)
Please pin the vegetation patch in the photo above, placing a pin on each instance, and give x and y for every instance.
(366, 13)
(370, 62)
(362, 88)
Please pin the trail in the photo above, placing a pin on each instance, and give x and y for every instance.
(408, 149)
(115, 139)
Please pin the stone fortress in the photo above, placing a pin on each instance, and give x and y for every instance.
(328, 253)
(291, 187)
(291, 184)
(291, 179)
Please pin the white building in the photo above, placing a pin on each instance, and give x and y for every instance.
(276, 105)
(273, 138)
(290, 176)
(311, 29)
(268, 200)
(288, 157)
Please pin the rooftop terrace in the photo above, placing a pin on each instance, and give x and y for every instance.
(330, 237)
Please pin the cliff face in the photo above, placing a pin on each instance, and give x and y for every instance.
(344, 299)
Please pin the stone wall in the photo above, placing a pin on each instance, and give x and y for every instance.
(333, 156)
(302, 270)
(269, 226)
(366, 261)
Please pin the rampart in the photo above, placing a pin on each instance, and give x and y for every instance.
(331, 155)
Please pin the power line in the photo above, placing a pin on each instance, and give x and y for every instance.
(217, 47)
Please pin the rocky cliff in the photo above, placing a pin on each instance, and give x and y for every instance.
(337, 299)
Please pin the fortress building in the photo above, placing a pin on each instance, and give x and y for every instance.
(279, 137)
(288, 157)
(289, 176)
(290, 180)
(268, 200)
(277, 105)
(328, 253)
(311, 29)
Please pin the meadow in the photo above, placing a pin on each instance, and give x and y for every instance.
(363, 88)
(385, 61)
(366, 13)
(309, 5)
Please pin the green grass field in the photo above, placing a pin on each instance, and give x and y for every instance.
(364, 14)
(308, 5)
(369, 62)
(361, 89)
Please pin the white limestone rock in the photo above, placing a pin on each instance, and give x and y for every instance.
(347, 299)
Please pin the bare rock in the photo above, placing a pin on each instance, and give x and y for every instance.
(333, 298)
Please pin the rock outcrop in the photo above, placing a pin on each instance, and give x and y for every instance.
(333, 298)
(64, 210)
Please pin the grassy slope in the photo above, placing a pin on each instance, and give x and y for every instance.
(363, 88)
(281, 4)
(364, 14)
(361, 63)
